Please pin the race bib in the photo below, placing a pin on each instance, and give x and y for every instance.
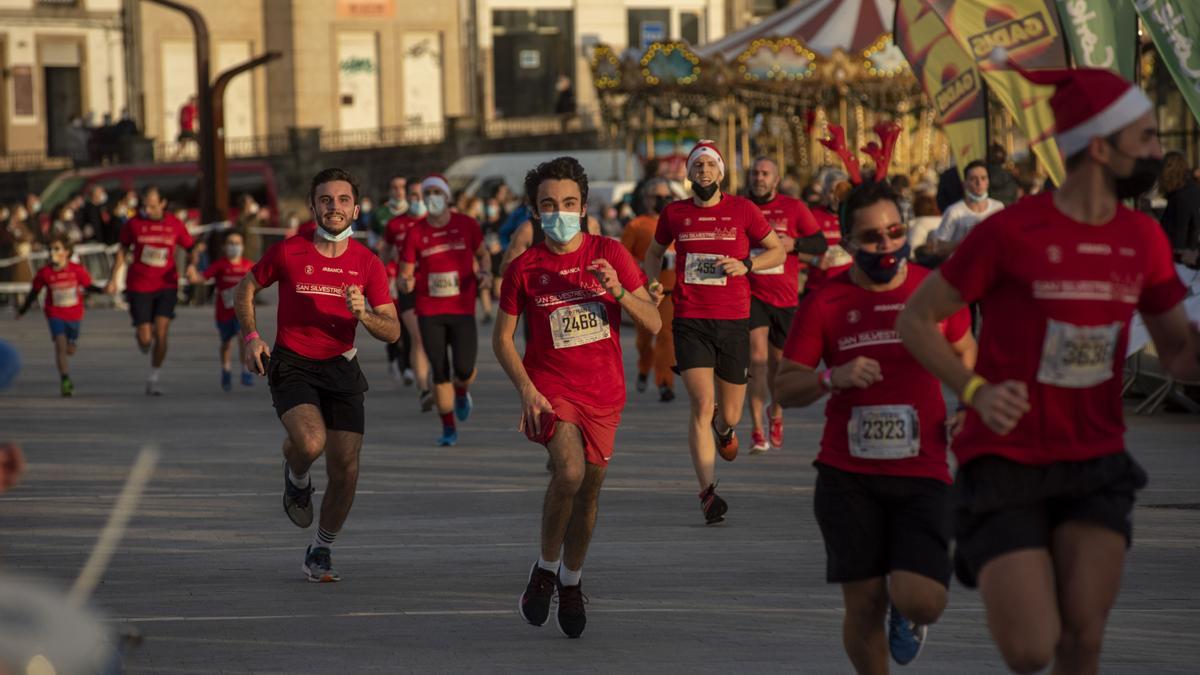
(1077, 357)
(837, 256)
(884, 432)
(155, 256)
(228, 296)
(704, 269)
(443, 284)
(65, 297)
(577, 325)
(778, 269)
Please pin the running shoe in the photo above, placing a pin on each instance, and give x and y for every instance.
(665, 394)
(67, 386)
(905, 638)
(153, 388)
(409, 377)
(712, 505)
(570, 616)
(727, 443)
(776, 431)
(318, 565)
(426, 399)
(226, 380)
(247, 378)
(297, 502)
(462, 406)
(449, 437)
(760, 443)
(534, 605)
(641, 383)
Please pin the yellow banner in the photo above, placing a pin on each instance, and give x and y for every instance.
(1030, 32)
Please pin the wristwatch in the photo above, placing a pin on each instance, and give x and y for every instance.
(749, 263)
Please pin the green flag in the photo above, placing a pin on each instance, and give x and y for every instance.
(1175, 27)
(1102, 34)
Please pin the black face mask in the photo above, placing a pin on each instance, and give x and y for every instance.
(1146, 171)
(881, 268)
(660, 203)
(704, 193)
(765, 199)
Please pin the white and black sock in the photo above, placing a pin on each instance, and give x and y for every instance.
(302, 481)
(323, 538)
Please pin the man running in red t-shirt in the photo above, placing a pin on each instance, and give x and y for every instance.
(391, 246)
(713, 233)
(1045, 487)
(226, 274)
(774, 294)
(443, 262)
(571, 287)
(152, 284)
(882, 493)
(328, 285)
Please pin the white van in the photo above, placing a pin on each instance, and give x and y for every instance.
(479, 175)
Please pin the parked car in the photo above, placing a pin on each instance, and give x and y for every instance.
(480, 175)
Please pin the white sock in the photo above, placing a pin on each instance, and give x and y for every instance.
(301, 481)
(569, 577)
(153, 375)
(323, 538)
(548, 565)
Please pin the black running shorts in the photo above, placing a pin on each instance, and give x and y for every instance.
(145, 307)
(873, 525)
(446, 333)
(335, 386)
(1002, 506)
(720, 344)
(405, 302)
(778, 319)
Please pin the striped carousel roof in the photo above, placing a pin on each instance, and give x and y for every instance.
(822, 25)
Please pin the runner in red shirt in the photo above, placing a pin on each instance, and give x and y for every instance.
(391, 246)
(774, 294)
(443, 262)
(821, 268)
(1045, 487)
(713, 233)
(571, 288)
(328, 285)
(226, 274)
(882, 491)
(152, 282)
(65, 283)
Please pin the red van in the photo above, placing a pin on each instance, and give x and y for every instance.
(179, 184)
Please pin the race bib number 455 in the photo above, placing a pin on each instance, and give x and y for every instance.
(884, 432)
(577, 325)
(1076, 357)
(704, 269)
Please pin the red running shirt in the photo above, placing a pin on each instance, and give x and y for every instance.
(702, 236)
(65, 297)
(445, 260)
(152, 248)
(839, 259)
(897, 426)
(398, 229)
(780, 285)
(227, 275)
(574, 346)
(313, 319)
(1057, 297)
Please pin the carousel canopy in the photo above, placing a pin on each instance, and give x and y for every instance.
(822, 25)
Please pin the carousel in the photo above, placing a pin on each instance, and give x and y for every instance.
(772, 89)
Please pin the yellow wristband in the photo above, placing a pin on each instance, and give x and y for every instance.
(969, 391)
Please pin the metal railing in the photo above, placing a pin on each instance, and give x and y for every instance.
(31, 161)
(408, 134)
(545, 125)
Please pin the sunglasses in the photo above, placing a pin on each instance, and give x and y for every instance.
(894, 232)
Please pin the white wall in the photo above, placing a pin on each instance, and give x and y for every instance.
(102, 66)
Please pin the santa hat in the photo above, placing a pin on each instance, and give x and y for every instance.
(706, 148)
(1087, 102)
(436, 181)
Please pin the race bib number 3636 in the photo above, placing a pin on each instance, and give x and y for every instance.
(1076, 357)
(577, 325)
(884, 432)
(704, 269)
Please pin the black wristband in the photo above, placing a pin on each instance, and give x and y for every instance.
(749, 263)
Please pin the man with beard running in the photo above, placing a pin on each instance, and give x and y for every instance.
(328, 285)
(713, 233)
(571, 289)
(774, 294)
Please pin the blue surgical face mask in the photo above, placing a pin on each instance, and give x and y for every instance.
(436, 204)
(560, 226)
(881, 268)
(417, 209)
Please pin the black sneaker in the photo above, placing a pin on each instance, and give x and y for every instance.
(534, 605)
(318, 565)
(570, 616)
(712, 505)
(641, 383)
(426, 399)
(297, 502)
(666, 394)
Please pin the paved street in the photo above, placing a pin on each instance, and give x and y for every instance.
(440, 541)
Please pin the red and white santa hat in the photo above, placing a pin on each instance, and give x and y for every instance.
(436, 181)
(1087, 102)
(706, 148)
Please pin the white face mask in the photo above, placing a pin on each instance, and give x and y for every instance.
(233, 250)
(436, 203)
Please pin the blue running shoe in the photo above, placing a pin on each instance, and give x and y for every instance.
(462, 406)
(905, 638)
(247, 378)
(318, 566)
(226, 380)
(449, 437)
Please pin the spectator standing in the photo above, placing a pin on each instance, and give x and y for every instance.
(1181, 218)
(1004, 188)
(960, 217)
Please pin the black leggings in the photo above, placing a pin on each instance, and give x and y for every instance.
(456, 331)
